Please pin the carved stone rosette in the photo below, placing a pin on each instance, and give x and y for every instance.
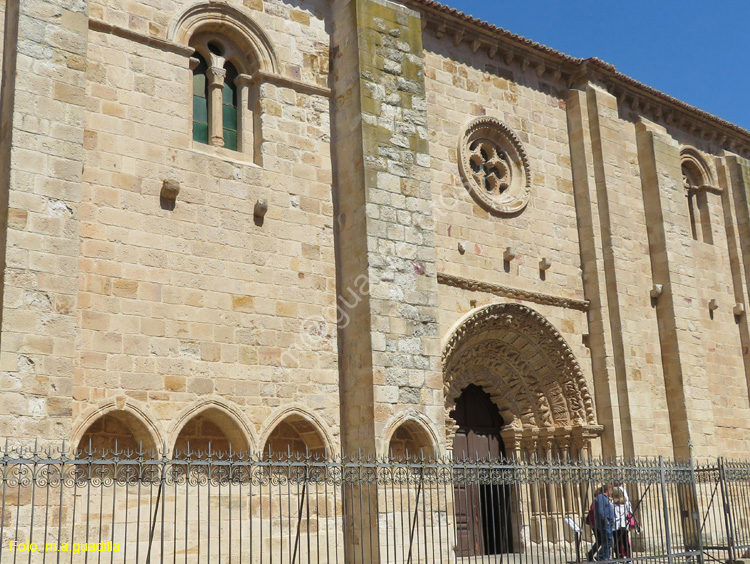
(494, 166)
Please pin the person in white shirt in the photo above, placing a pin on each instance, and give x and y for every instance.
(621, 540)
(619, 484)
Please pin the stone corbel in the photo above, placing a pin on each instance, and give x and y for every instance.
(458, 37)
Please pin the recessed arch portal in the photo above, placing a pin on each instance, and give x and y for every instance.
(530, 373)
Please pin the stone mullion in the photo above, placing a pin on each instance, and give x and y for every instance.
(215, 77)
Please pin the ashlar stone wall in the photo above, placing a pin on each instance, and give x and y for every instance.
(206, 299)
(470, 240)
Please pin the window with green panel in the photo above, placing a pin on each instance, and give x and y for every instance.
(229, 107)
(200, 101)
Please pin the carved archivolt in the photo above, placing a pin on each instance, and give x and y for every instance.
(525, 365)
(494, 165)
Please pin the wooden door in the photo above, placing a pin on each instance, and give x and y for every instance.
(482, 511)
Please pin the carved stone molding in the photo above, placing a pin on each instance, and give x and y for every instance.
(512, 293)
(524, 364)
(696, 174)
(555, 65)
(494, 166)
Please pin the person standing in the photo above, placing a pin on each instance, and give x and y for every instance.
(621, 510)
(591, 522)
(604, 520)
(619, 484)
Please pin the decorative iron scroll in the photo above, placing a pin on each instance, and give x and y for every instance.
(19, 467)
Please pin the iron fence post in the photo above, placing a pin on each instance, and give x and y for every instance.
(727, 511)
(667, 532)
(695, 515)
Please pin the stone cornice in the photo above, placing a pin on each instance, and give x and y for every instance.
(550, 64)
(286, 82)
(505, 49)
(259, 76)
(512, 293)
(643, 100)
(156, 42)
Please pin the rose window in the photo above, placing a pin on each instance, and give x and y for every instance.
(489, 166)
(494, 166)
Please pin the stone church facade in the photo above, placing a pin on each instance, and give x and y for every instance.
(354, 225)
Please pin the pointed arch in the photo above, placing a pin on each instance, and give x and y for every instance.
(410, 432)
(293, 429)
(211, 421)
(121, 420)
(523, 363)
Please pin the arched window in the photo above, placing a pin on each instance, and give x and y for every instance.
(696, 178)
(221, 93)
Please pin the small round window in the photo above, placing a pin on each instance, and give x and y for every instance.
(494, 166)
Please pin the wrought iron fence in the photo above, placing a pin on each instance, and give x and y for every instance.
(137, 507)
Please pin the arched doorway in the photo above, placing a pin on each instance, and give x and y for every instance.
(512, 386)
(483, 512)
(530, 373)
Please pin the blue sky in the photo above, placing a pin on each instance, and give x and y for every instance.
(695, 51)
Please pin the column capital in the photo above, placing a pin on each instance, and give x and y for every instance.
(216, 76)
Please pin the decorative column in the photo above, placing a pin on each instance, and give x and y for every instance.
(512, 441)
(246, 115)
(530, 445)
(215, 76)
